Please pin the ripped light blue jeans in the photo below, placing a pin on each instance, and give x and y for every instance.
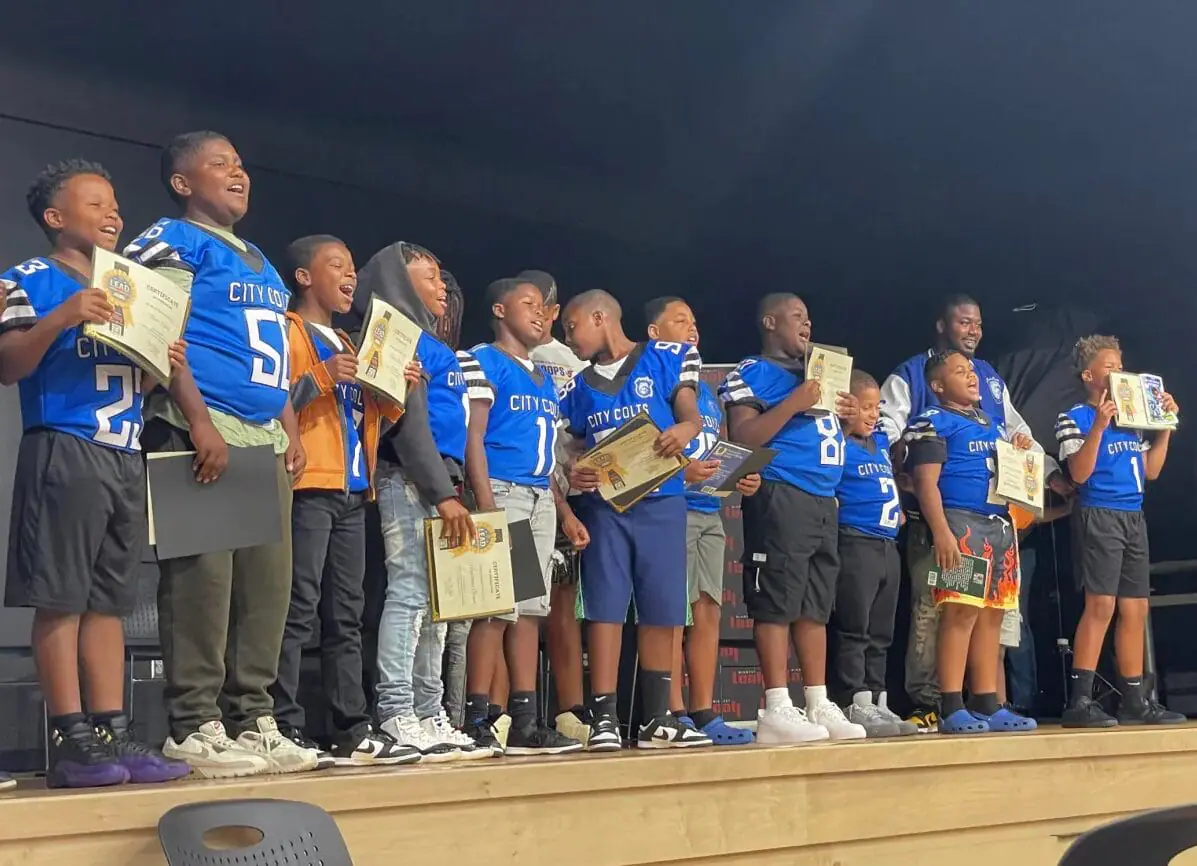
(410, 644)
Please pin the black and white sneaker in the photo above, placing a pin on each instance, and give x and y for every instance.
(604, 735)
(539, 740)
(667, 732)
(324, 760)
(482, 732)
(366, 747)
(407, 731)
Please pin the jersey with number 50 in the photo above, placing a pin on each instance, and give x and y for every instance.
(868, 494)
(810, 448)
(237, 329)
(81, 387)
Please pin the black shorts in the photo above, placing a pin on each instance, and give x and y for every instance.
(78, 526)
(1109, 552)
(790, 554)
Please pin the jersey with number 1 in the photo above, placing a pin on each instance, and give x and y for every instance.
(649, 378)
(1118, 472)
(237, 329)
(521, 425)
(810, 448)
(868, 494)
(964, 444)
(708, 408)
(80, 387)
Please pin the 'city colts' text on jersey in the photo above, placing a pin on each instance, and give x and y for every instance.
(708, 408)
(448, 402)
(810, 448)
(964, 444)
(868, 494)
(647, 380)
(521, 424)
(81, 387)
(237, 329)
(1119, 471)
(352, 412)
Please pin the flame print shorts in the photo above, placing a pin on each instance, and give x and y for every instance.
(992, 538)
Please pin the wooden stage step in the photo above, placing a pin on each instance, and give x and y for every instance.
(993, 800)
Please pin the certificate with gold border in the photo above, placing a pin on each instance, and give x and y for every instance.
(470, 581)
(628, 467)
(389, 341)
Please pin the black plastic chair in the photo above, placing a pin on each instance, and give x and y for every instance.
(295, 834)
(1150, 839)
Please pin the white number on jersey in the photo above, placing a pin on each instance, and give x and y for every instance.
(269, 367)
(831, 448)
(704, 442)
(992, 498)
(31, 267)
(891, 510)
(128, 382)
(1135, 471)
(546, 445)
(666, 346)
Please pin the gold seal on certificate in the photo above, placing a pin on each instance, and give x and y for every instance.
(1140, 401)
(831, 367)
(1019, 478)
(470, 581)
(389, 341)
(149, 312)
(628, 467)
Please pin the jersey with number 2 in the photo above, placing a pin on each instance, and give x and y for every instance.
(868, 494)
(237, 329)
(810, 448)
(81, 387)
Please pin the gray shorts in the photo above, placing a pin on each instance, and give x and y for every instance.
(706, 546)
(536, 505)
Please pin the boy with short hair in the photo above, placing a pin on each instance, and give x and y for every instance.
(641, 552)
(221, 614)
(78, 518)
(790, 526)
(866, 599)
(1110, 466)
(950, 454)
(509, 463)
(671, 319)
(340, 423)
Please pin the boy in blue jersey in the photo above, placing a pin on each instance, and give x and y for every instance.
(866, 596)
(641, 552)
(790, 526)
(419, 477)
(950, 456)
(78, 517)
(672, 320)
(1110, 466)
(221, 614)
(510, 454)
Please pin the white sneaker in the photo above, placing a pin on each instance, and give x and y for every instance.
(787, 726)
(863, 712)
(407, 731)
(440, 728)
(283, 755)
(830, 716)
(212, 754)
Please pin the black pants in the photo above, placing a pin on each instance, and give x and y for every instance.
(866, 601)
(328, 531)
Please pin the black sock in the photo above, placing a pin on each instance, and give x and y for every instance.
(66, 722)
(654, 691)
(477, 708)
(603, 705)
(1132, 692)
(580, 711)
(493, 711)
(1080, 686)
(950, 702)
(521, 706)
(985, 704)
(702, 718)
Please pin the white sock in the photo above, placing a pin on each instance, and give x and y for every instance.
(776, 699)
(863, 699)
(815, 695)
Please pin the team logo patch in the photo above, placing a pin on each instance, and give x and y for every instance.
(995, 388)
(643, 386)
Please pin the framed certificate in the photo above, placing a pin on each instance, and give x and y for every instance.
(735, 461)
(1140, 401)
(628, 467)
(1019, 477)
(831, 367)
(149, 312)
(389, 341)
(470, 581)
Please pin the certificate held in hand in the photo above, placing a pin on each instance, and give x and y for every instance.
(389, 341)
(149, 312)
(831, 367)
(470, 581)
(1019, 477)
(628, 467)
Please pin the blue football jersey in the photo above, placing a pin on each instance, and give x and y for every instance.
(708, 406)
(237, 330)
(990, 384)
(964, 445)
(448, 403)
(521, 426)
(868, 494)
(810, 448)
(352, 410)
(1119, 472)
(594, 406)
(81, 387)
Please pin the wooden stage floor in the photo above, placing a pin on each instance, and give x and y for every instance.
(995, 800)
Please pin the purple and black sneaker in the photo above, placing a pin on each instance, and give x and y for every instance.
(145, 764)
(78, 760)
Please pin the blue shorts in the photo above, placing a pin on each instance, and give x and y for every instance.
(640, 553)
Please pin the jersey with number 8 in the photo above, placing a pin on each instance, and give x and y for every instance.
(868, 494)
(81, 387)
(237, 329)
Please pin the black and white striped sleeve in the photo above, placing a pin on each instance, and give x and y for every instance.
(736, 390)
(923, 443)
(691, 372)
(155, 253)
(18, 311)
(478, 387)
(1068, 435)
